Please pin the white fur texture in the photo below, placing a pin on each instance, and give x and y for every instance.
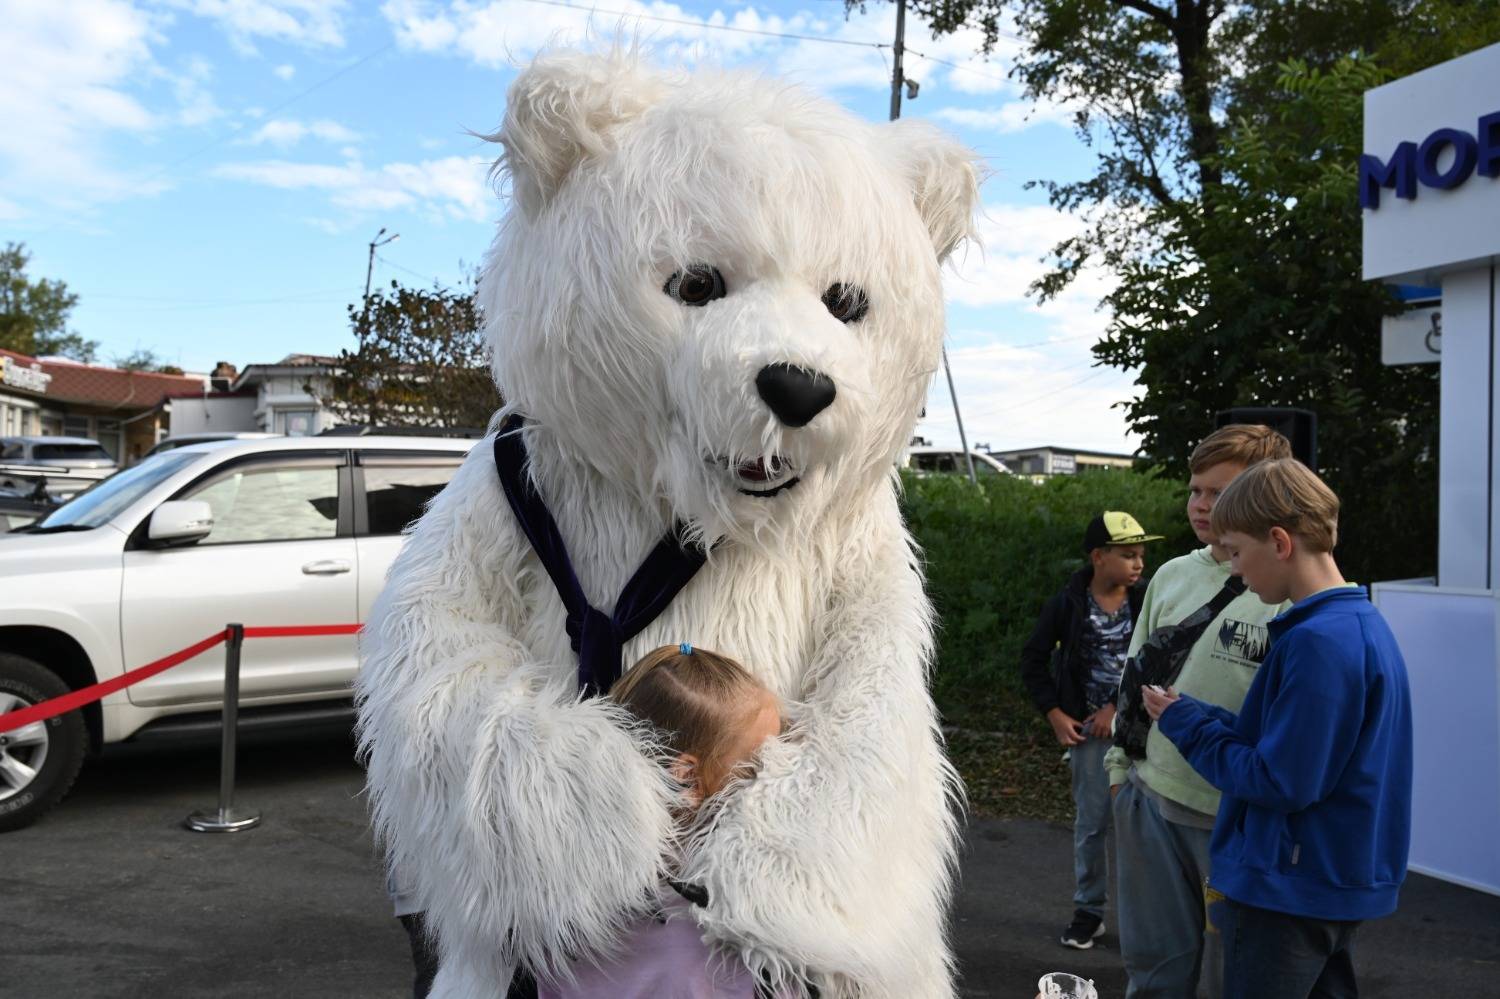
(535, 825)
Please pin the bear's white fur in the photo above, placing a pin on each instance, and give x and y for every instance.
(534, 824)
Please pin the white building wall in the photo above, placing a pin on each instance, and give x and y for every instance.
(232, 414)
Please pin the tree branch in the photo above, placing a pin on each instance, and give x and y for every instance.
(1159, 14)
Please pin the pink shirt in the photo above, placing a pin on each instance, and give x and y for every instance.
(658, 959)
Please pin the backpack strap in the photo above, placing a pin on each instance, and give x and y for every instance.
(597, 638)
(1159, 661)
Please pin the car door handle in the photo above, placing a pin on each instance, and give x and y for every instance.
(327, 567)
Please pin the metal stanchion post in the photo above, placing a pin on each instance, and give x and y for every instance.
(226, 819)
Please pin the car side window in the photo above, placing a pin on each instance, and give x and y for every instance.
(397, 490)
(11, 451)
(272, 502)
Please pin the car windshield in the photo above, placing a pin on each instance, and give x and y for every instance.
(104, 501)
(70, 452)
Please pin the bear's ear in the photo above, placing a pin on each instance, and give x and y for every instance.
(944, 177)
(562, 108)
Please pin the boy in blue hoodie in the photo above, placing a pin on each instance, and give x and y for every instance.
(1312, 832)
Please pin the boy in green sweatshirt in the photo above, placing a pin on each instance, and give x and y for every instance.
(1163, 810)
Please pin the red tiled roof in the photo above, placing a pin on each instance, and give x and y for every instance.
(111, 387)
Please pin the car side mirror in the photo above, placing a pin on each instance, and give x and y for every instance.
(181, 522)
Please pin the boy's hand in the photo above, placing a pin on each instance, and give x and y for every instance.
(1101, 722)
(1069, 730)
(1158, 699)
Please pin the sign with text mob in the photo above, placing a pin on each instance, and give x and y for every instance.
(1434, 138)
(1478, 153)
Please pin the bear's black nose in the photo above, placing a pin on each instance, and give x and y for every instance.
(794, 394)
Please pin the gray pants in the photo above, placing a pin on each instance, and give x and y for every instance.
(1162, 866)
(1090, 825)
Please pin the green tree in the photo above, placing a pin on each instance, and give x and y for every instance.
(1223, 203)
(34, 314)
(144, 359)
(420, 360)
(1257, 300)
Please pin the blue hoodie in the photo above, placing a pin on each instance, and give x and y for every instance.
(1315, 769)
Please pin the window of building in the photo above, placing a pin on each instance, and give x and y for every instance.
(296, 422)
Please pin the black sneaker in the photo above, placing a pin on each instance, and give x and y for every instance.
(1083, 930)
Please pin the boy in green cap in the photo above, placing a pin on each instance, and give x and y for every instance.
(1089, 624)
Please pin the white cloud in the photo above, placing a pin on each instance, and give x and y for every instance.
(1013, 239)
(64, 69)
(285, 71)
(287, 132)
(310, 23)
(1046, 392)
(492, 34)
(1013, 398)
(452, 187)
(1014, 116)
(196, 104)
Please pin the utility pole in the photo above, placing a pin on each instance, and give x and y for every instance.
(899, 49)
(370, 266)
(898, 79)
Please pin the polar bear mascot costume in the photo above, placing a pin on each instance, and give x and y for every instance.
(715, 310)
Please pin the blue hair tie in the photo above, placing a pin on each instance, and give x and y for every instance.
(685, 648)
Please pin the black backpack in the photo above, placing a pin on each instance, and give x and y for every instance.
(1158, 662)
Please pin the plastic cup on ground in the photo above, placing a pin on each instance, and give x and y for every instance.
(1061, 985)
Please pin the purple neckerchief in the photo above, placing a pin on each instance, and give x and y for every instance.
(598, 638)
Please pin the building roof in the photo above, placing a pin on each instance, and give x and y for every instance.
(1056, 449)
(113, 388)
(254, 373)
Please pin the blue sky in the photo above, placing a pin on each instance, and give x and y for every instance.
(206, 174)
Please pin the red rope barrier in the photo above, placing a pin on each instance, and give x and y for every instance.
(302, 630)
(88, 695)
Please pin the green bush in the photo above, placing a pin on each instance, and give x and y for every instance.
(995, 554)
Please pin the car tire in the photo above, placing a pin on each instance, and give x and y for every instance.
(56, 745)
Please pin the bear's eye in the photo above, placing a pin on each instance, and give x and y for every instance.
(698, 285)
(846, 302)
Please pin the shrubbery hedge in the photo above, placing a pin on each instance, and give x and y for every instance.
(993, 555)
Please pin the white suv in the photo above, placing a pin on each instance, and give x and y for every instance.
(282, 531)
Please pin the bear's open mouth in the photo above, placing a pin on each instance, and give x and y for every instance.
(760, 477)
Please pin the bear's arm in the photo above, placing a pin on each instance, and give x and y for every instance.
(837, 860)
(531, 825)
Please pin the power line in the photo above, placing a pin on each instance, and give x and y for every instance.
(241, 303)
(273, 110)
(709, 27)
(407, 270)
(174, 300)
(954, 65)
(823, 39)
(1012, 406)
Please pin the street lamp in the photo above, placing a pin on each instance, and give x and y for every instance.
(370, 267)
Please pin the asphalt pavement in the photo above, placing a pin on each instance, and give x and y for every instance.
(110, 897)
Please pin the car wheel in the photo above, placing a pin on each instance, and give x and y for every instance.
(40, 761)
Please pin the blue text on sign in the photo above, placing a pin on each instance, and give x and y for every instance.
(1412, 164)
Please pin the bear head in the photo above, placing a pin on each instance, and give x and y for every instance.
(718, 290)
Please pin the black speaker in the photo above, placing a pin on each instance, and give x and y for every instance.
(1300, 426)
